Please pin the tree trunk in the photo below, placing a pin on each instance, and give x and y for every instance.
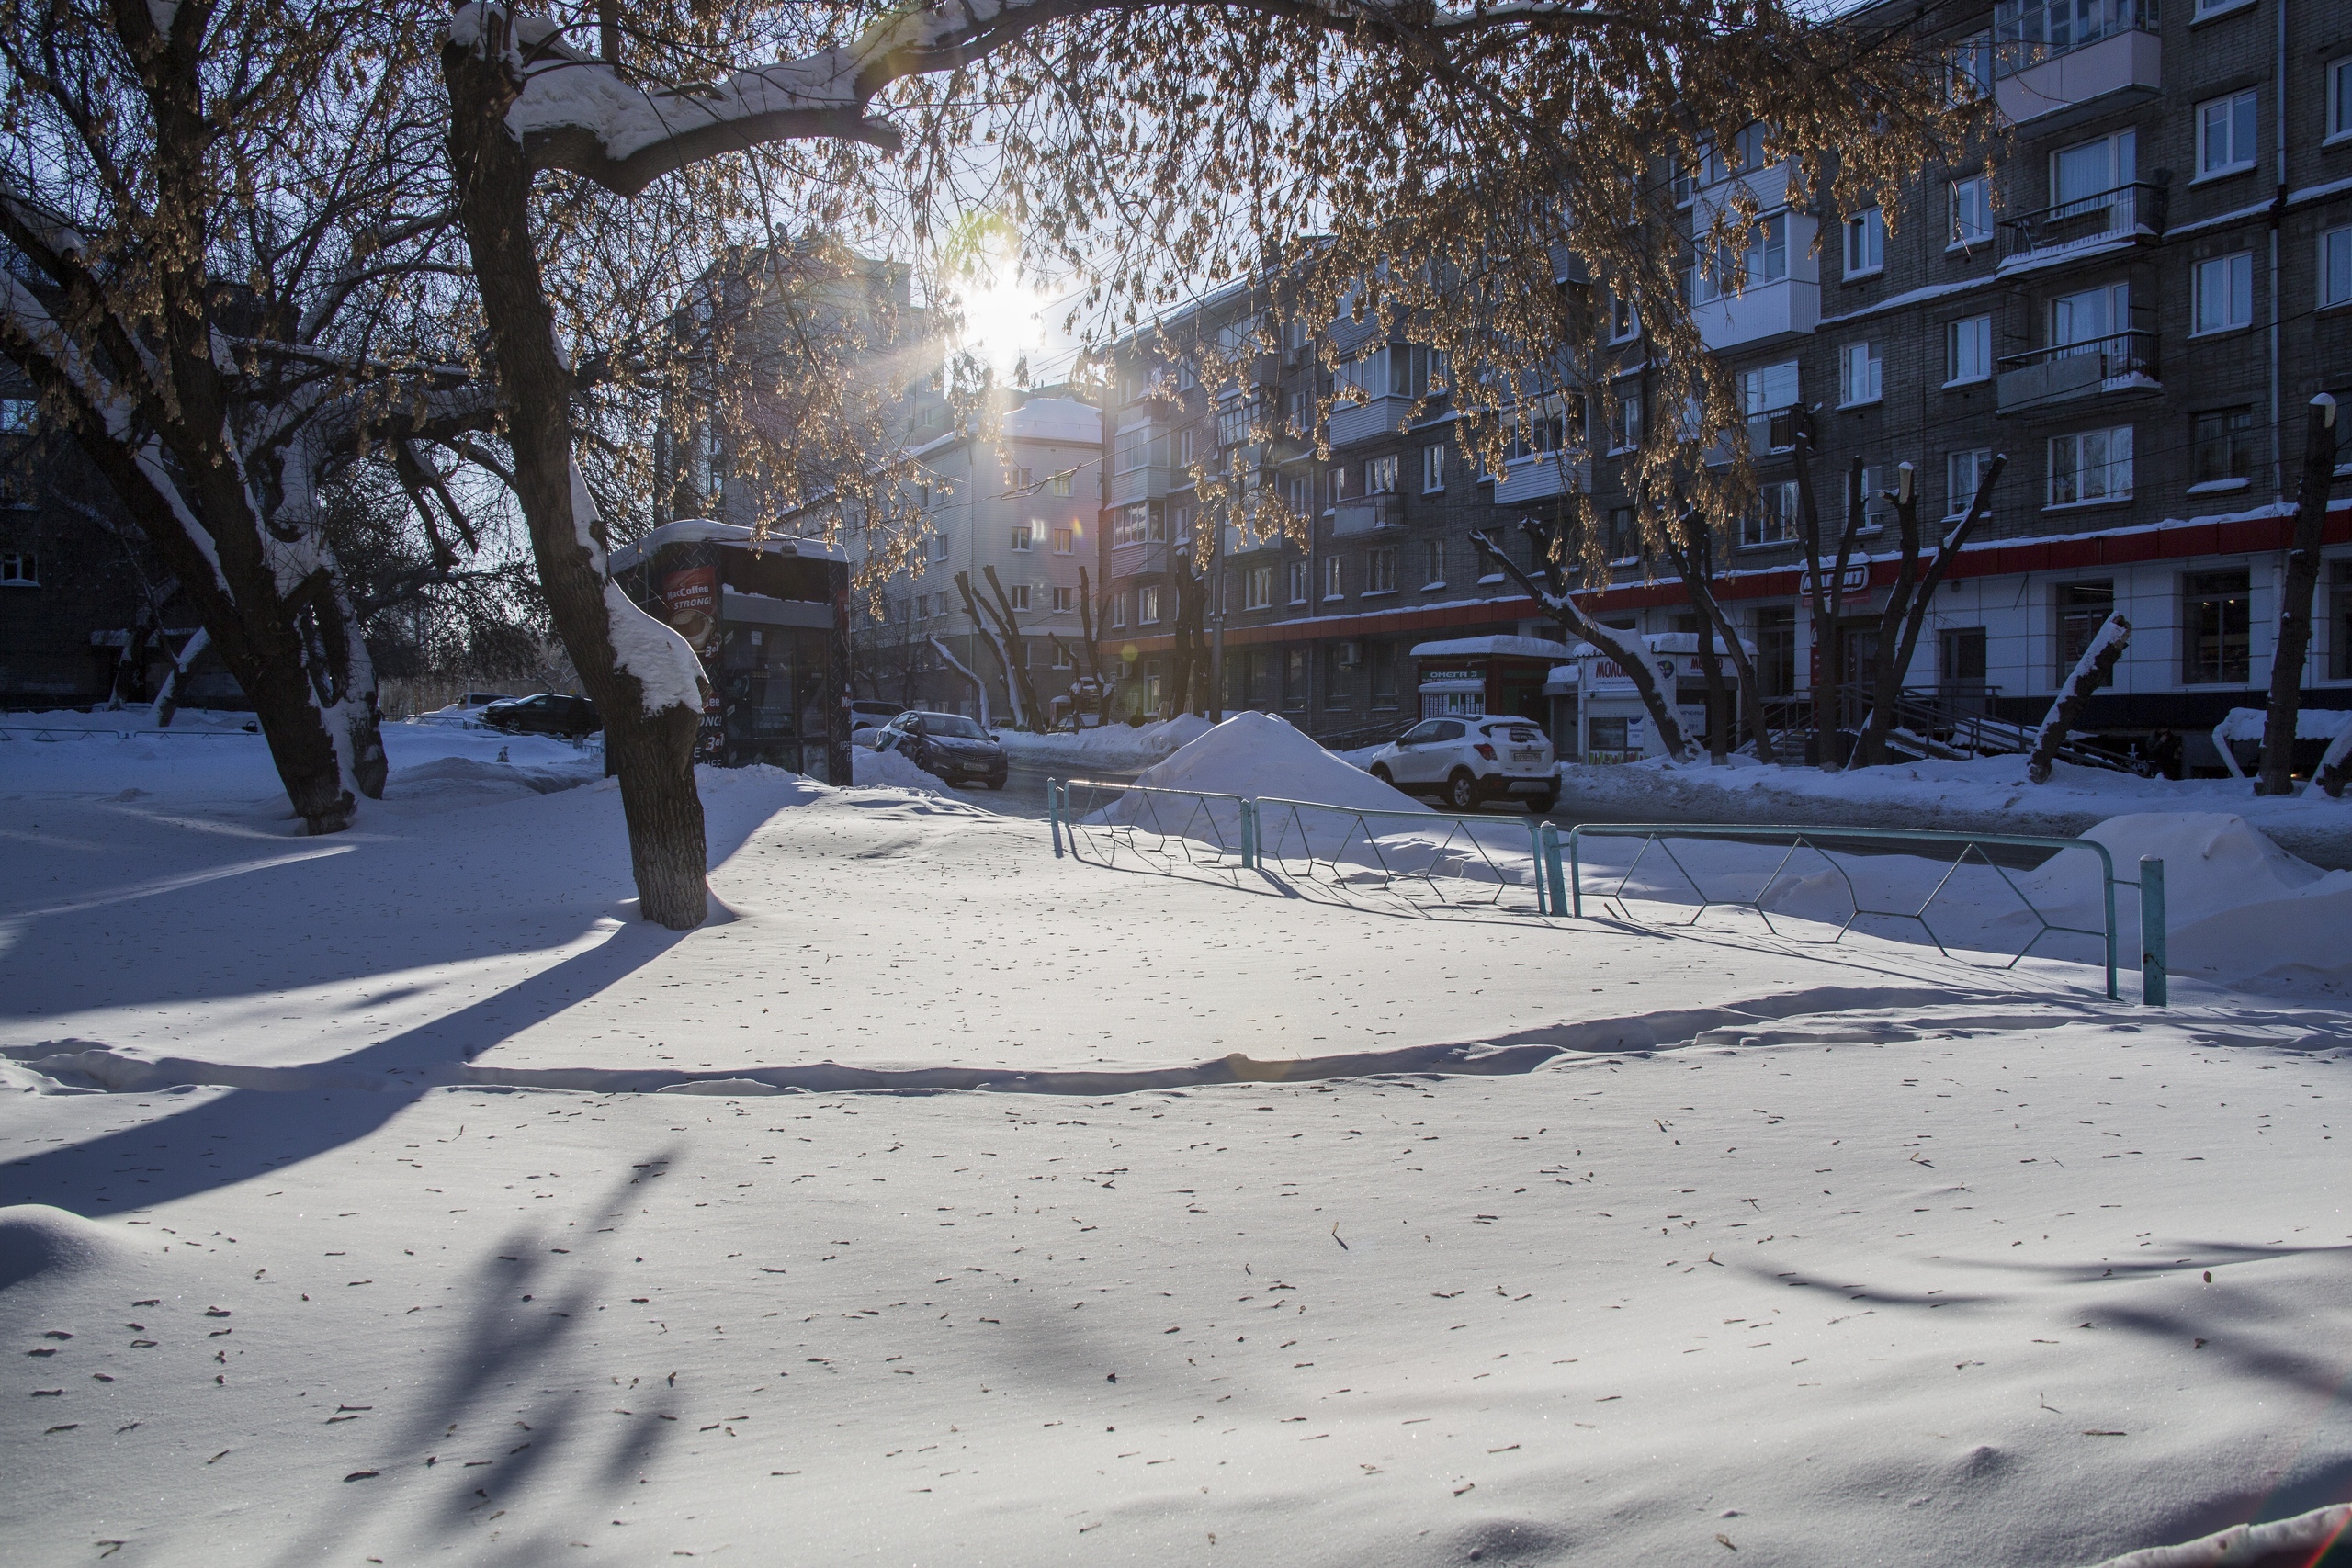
(650, 746)
(2091, 671)
(1886, 689)
(983, 614)
(1695, 570)
(1017, 646)
(2278, 775)
(1633, 657)
(1828, 598)
(167, 701)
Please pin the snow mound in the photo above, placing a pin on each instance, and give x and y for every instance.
(1259, 754)
(37, 1240)
(869, 768)
(1109, 746)
(2214, 860)
(449, 775)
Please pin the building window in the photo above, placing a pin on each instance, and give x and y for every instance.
(2224, 289)
(1296, 575)
(2336, 267)
(1877, 480)
(1765, 261)
(1968, 75)
(1865, 242)
(2090, 174)
(1294, 674)
(1019, 592)
(1626, 420)
(1625, 325)
(1860, 370)
(1433, 563)
(1624, 540)
(1963, 471)
(1146, 605)
(2083, 608)
(1767, 390)
(1434, 469)
(1339, 484)
(2224, 443)
(1380, 475)
(1187, 441)
(2216, 624)
(1302, 413)
(1233, 424)
(1772, 519)
(1065, 600)
(1119, 607)
(1020, 479)
(2091, 319)
(1258, 588)
(1382, 657)
(939, 546)
(2339, 638)
(2339, 100)
(2090, 465)
(1334, 578)
(1380, 571)
(1959, 664)
(1058, 484)
(1968, 351)
(1020, 536)
(1776, 651)
(1971, 210)
(1062, 541)
(20, 569)
(1298, 494)
(1338, 658)
(1179, 525)
(2226, 135)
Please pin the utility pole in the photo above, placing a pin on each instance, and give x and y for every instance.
(1215, 590)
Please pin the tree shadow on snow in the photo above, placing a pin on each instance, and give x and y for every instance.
(223, 1138)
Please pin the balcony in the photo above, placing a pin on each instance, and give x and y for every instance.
(2121, 364)
(1145, 557)
(1767, 434)
(2110, 63)
(1367, 515)
(1146, 483)
(1768, 311)
(1369, 421)
(2132, 214)
(1539, 474)
(1241, 539)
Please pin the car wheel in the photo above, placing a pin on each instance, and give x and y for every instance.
(1379, 770)
(1541, 804)
(1462, 790)
(996, 782)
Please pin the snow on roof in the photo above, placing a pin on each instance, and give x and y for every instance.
(706, 531)
(1688, 642)
(1474, 647)
(1054, 419)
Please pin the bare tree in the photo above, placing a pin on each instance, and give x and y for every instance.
(1690, 550)
(2276, 776)
(1912, 597)
(1827, 599)
(1558, 602)
(2092, 671)
(233, 241)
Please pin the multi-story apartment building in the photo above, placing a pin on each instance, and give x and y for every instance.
(1021, 499)
(2131, 290)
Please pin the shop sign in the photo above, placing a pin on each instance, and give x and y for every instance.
(1428, 675)
(690, 604)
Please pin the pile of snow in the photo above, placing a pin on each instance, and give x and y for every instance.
(1261, 754)
(1118, 746)
(871, 768)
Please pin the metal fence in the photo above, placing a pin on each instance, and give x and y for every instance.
(1807, 885)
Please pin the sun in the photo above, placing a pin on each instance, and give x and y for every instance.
(1002, 315)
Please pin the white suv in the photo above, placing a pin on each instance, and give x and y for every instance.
(1470, 760)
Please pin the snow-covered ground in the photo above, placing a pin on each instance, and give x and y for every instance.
(363, 1140)
(1982, 795)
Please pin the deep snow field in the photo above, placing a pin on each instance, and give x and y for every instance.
(397, 1196)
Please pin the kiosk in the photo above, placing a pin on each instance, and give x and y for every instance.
(770, 622)
(1485, 675)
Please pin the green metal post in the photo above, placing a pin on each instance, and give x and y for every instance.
(1536, 860)
(1054, 814)
(1552, 869)
(1575, 873)
(2155, 988)
(1248, 834)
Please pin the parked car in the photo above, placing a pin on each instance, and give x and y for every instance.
(545, 713)
(1471, 759)
(478, 699)
(946, 745)
(865, 714)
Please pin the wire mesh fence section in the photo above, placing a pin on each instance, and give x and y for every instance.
(1423, 860)
(2002, 895)
(1141, 828)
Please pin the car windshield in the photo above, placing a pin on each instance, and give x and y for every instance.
(955, 726)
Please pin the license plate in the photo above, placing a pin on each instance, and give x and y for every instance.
(1527, 757)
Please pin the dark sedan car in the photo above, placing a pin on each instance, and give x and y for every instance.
(947, 746)
(546, 713)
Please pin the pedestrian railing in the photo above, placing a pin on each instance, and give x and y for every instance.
(75, 732)
(1807, 885)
